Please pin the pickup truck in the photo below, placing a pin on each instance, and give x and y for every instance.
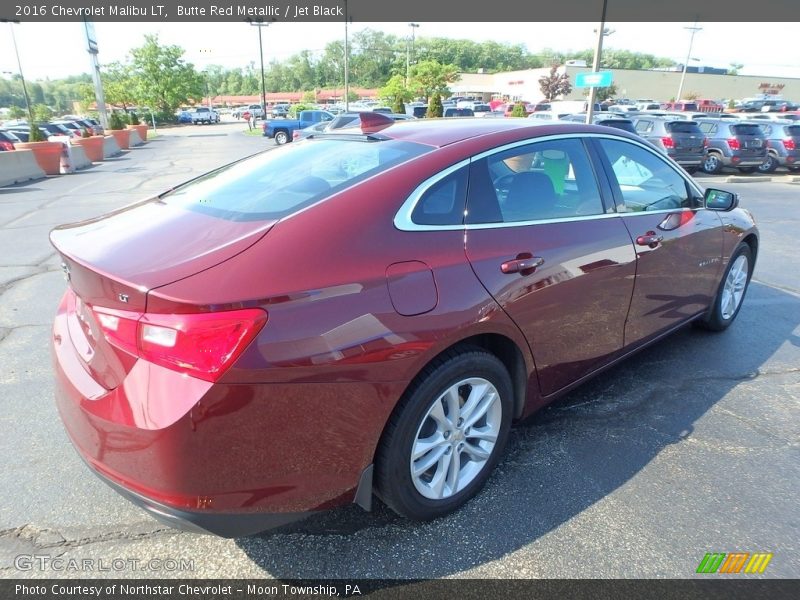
(203, 114)
(283, 129)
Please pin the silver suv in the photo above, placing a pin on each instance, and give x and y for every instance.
(733, 144)
(783, 145)
(682, 140)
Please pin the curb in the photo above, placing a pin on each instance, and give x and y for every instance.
(752, 179)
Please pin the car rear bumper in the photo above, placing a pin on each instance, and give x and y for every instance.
(230, 459)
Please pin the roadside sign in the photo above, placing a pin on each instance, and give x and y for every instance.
(597, 79)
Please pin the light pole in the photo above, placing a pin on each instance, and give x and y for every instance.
(260, 23)
(21, 76)
(694, 29)
(413, 27)
(601, 33)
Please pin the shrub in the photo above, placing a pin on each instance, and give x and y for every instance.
(398, 107)
(85, 133)
(36, 134)
(519, 110)
(133, 119)
(295, 109)
(115, 122)
(435, 108)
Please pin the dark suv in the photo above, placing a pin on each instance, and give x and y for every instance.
(783, 145)
(683, 141)
(732, 144)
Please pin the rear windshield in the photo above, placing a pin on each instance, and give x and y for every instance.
(683, 127)
(746, 129)
(793, 130)
(622, 124)
(272, 185)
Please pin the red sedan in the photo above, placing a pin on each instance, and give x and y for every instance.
(366, 312)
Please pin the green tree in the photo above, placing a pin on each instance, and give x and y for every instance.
(163, 79)
(555, 84)
(119, 85)
(395, 92)
(435, 108)
(309, 97)
(602, 94)
(41, 113)
(429, 77)
(15, 112)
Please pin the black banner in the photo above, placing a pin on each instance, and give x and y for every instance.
(376, 589)
(405, 10)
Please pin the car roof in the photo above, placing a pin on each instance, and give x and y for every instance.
(443, 132)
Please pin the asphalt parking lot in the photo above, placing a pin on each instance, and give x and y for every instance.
(690, 447)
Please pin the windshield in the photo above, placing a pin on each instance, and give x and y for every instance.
(272, 185)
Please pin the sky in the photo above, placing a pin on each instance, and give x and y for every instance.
(236, 44)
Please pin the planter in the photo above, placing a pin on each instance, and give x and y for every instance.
(123, 137)
(142, 129)
(93, 146)
(47, 154)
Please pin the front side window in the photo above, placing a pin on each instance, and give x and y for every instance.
(544, 180)
(645, 181)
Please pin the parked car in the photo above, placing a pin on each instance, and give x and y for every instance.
(682, 140)
(7, 140)
(623, 108)
(204, 114)
(340, 121)
(280, 111)
(733, 144)
(184, 116)
(282, 130)
(75, 128)
(334, 333)
(606, 120)
(457, 112)
(690, 105)
(547, 115)
(23, 133)
(480, 110)
(783, 145)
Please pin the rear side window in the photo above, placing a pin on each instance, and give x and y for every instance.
(275, 184)
(683, 127)
(644, 126)
(746, 129)
(443, 202)
(708, 127)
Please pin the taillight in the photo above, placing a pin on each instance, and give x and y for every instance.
(668, 142)
(203, 345)
(734, 144)
(789, 144)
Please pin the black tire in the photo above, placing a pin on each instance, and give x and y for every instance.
(712, 163)
(747, 170)
(716, 319)
(281, 137)
(769, 165)
(794, 169)
(394, 484)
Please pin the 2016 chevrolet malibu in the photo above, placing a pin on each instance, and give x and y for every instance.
(366, 312)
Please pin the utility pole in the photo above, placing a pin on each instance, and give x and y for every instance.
(413, 27)
(694, 29)
(260, 23)
(598, 51)
(91, 48)
(21, 76)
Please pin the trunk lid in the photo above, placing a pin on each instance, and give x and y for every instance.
(113, 261)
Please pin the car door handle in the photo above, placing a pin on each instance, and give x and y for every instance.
(518, 265)
(650, 239)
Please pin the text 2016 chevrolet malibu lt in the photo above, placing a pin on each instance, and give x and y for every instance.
(366, 312)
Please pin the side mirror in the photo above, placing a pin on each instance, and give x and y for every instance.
(720, 200)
